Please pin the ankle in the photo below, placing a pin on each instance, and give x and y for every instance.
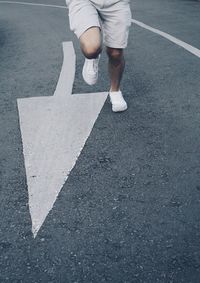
(114, 90)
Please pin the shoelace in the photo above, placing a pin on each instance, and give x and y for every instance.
(93, 65)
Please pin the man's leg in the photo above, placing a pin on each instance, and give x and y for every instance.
(116, 23)
(90, 42)
(84, 21)
(116, 66)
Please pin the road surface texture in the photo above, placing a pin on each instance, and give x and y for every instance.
(130, 209)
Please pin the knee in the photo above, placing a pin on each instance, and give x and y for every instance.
(115, 54)
(91, 50)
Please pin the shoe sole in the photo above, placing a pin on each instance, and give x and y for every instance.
(119, 109)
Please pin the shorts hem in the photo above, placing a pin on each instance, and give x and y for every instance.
(117, 46)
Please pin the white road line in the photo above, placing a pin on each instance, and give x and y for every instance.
(195, 51)
(33, 4)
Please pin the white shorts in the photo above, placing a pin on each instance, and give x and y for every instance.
(112, 16)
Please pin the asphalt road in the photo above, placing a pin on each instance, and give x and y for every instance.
(130, 209)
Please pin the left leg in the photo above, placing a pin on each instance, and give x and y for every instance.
(116, 64)
(116, 22)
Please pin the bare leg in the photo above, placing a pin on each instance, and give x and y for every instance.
(116, 66)
(90, 42)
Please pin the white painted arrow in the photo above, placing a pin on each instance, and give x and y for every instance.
(54, 130)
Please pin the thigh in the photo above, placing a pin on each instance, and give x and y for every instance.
(116, 21)
(82, 16)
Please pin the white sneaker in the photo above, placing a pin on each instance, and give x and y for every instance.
(90, 70)
(117, 101)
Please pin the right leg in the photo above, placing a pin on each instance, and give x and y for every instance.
(90, 42)
(84, 21)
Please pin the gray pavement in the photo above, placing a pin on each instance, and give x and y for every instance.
(130, 209)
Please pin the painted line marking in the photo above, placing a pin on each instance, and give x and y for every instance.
(193, 50)
(54, 130)
(33, 4)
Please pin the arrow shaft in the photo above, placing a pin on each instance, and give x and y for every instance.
(67, 75)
